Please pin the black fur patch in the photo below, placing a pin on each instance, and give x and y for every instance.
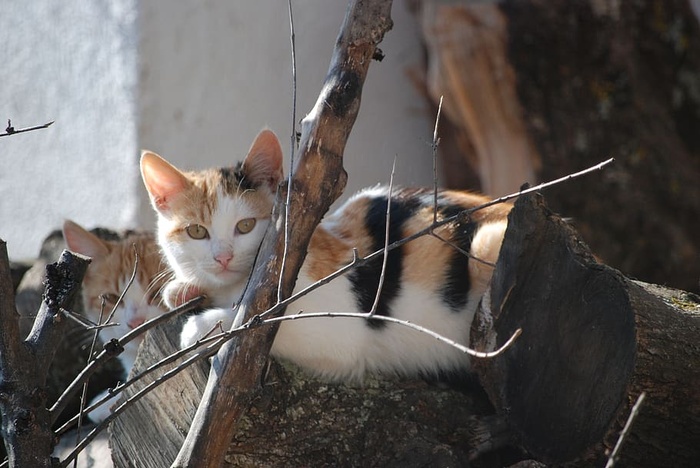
(455, 290)
(365, 279)
(234, 179)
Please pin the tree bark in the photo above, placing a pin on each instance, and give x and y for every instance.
(592, 341)
(296, 420)
(318, 179)
(26, 422)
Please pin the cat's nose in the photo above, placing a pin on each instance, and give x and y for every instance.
(223, 259)
(135, 322)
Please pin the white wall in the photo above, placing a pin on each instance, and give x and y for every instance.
(73, 62)
(191, 80)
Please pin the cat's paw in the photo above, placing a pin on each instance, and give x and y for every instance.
(208, 322)
(177, 293)
(103, 411)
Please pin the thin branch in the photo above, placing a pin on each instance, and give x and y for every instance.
(436, 142)
(293, 143)
(104, 356)
(612, 459)
(95, 337)
(204, 354)
(85, 322)
(387, 229)
(461, 250)
(405, 323)
(121, 296)
(10, 130)
(356, 261)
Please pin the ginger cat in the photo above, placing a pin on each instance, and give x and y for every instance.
(106, 278)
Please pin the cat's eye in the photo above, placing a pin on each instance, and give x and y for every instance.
(197, 231)
(244, 226)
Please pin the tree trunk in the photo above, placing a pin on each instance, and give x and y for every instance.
(296, 420)
(540, 89)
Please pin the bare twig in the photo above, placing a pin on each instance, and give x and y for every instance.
(292, 150)
(204, 354)
(612, 459)
(84, 321)
(104, 356)
(387, 230)
(357, 261)
(95, 337)
(434, 146)
(461, 250)
(405, 323)
(10, 130)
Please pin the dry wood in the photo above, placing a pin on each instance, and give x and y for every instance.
(150, 433)
(592, 341)
(24, 364)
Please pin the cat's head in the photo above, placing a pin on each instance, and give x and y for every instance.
(109, 273)
(211, 222)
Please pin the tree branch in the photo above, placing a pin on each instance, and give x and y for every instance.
(318, 180)
(26, 423)
(10, 130)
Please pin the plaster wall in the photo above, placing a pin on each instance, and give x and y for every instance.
(192, 80)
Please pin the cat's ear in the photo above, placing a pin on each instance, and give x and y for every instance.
(84, 242)
(163, 180)
(263, 164)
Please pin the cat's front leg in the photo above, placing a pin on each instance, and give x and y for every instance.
(200, 325)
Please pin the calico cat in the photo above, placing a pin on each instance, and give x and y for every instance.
(107, 277)
(211, 223)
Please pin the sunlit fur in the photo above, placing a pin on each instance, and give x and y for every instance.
(107, 277)
(429, 282)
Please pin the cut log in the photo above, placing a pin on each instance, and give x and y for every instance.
(150, 432)
(592, 341)
(301, 421)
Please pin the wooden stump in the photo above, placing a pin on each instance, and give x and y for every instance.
(592, 341)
